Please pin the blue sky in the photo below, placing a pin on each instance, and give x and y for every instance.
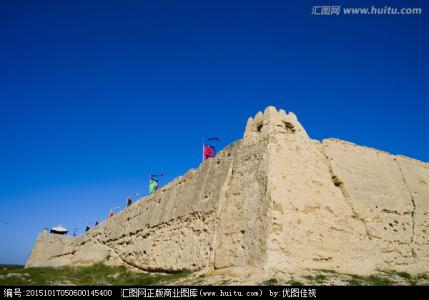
(96, 95)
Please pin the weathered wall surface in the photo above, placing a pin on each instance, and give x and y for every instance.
(173, 229)
(48, 247)
(390, 195)
(335, 205)
(374, 185)
(416, 177)
(313, 225)
(241, 236)
(276, 200)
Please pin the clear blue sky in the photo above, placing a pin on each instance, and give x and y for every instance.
(95, 95)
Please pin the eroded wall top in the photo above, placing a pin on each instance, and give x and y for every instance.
(272, 122)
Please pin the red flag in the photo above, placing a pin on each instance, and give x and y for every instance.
(208, 151)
